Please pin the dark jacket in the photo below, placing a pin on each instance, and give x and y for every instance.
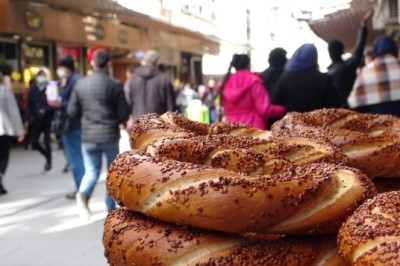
(344, 72)
(100, 103)
(66, 91)
(305, 91)
(37, 100)
(270, 76)
(149, 91)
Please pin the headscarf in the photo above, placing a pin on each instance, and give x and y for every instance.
(383, 45)
(305, 57)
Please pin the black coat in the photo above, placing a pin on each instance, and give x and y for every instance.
(37, 100)
(306, 90)
(100, 102)
(344, 72)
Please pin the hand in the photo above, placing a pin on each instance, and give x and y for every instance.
(54, 103)
(366, 17)
(41, 111)
(20, 138)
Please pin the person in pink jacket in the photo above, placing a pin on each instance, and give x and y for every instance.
(244, 98)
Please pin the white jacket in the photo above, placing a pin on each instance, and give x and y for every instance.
(10, 117)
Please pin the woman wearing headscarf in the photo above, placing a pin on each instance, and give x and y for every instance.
(302, 87)
(377, 87)
(244, 97)
(10, 126)
(277, 60)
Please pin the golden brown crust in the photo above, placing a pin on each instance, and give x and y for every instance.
(220, 151)
(178, 120)
(308, 199)
(372, 142)
(371, 236)
(237, 129)
(150, 128)
(233, 152)
(132, 239)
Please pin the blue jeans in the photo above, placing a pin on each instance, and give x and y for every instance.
(72, 148)
(92, 158)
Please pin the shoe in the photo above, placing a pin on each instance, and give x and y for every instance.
(71, 195)
(65, 170)
(2, 190)
(82, 203)
(47, 167)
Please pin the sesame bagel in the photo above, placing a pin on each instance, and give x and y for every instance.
(371, 236)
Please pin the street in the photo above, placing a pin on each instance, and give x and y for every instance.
(38, 225)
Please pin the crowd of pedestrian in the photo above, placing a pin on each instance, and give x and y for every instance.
(88, 113)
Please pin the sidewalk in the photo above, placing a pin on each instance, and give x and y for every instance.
(38, 225)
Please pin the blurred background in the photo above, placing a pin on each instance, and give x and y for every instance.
(195, 39)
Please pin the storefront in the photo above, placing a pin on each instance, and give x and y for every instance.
(39, 34)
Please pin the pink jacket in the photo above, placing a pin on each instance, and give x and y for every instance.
(246, 101)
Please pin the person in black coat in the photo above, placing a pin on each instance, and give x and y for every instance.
(39, 114)
(344, 72)
(270, 76)
(99, 102)
(302, 87)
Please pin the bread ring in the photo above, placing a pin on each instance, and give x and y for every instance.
(308, 199)
(371, 236)
(226, 128)
(245, 155)
(372, 142)
(130, 238)
(149, 128)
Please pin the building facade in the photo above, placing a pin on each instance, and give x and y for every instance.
(36, 34)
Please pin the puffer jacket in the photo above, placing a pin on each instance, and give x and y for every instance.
(99, 101)
(246, 101)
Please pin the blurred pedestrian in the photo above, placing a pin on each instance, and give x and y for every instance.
(209, 98)
(185, 96)
(244, 97)
(377, 87)
(270, 76)
(149, 90)
(344, 72)
(39, 114)
(302, 87)
(70, 128)
(99, 102)
(10, 126)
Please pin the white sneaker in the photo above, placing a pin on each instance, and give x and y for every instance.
(82, 203)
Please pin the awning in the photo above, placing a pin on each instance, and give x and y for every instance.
(343, 25)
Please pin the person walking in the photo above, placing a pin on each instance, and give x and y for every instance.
(302, 87)
(10, 126)
(208, 99)
(39, 114)
(70, 127)
(377, 87)
(99, 102)
(270, 76)
(344, 72)
(244, 98)
(148, 90)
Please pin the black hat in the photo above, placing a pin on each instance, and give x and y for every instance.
(101, 58)
(67, 62)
